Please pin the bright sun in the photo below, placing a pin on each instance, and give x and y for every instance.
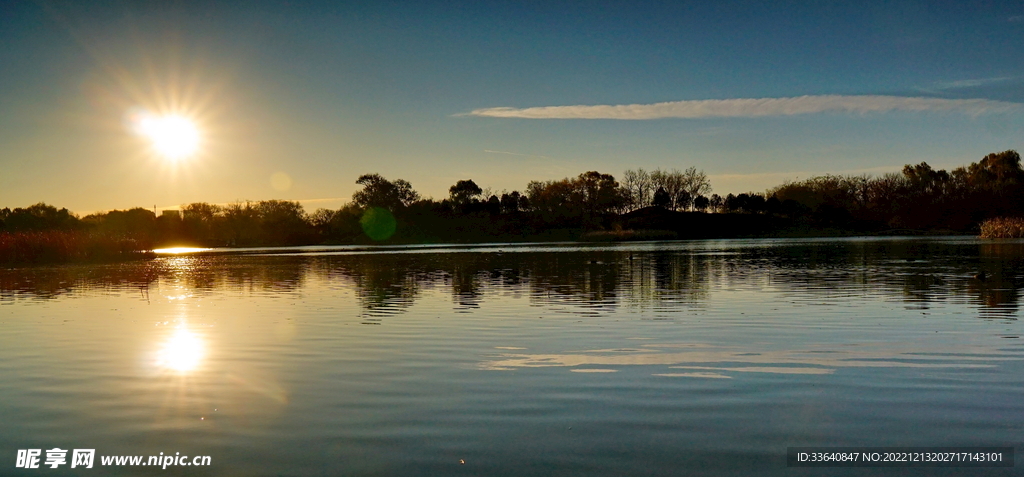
(173, 137)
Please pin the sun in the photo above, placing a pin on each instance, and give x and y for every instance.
(173, 137)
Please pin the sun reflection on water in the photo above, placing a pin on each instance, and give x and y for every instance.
(183, 352)
(179, 250)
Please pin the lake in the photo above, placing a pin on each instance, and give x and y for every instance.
(658, 358)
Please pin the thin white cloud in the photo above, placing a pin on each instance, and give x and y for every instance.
(968, 83)
(752, 107)
(514, 154)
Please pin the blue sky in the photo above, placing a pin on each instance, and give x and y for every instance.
(294, 100)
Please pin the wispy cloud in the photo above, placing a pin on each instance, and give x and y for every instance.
(1016, 19)
(968, 83)
(752, 107)
(514, 154)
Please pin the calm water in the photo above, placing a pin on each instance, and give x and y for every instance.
(675, 358)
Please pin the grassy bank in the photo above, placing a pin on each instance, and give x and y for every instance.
(628, 235)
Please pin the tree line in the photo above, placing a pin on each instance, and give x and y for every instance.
(918, 197)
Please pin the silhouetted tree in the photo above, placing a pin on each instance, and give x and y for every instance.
(524, 203)
(169, 228)
(925, 180)
(137, 223)
(241, 224)
(493, 205)
(793, 208)
(198, 220)
(464, 193)
(755, 203)
(380, 192)
(701, 203)
(671, 182)
(684, 200)
(730, 203)
(344, 224)
(773, 205)
(37, 217)
(918, 196)
(321, 220)
(553, 199)
(636, 188)
(283, 222)
(585, 197)
(716, 202)
(598, 193)
(510, 202)
(661, 198)
(997, 171)
(695, 182)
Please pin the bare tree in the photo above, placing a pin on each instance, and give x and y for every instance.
(696, 182)
(638, 188)
(671, 181)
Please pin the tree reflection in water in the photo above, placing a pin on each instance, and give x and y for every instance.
(919, 272)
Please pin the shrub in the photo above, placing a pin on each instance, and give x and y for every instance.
(1003, 227)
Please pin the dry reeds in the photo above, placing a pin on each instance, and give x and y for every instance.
(628, 235)
(1003, 227)
(55, 246)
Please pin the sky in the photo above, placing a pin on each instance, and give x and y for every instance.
(295, 100)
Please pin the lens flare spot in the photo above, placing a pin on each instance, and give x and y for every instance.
(280, 181)
(378, 223)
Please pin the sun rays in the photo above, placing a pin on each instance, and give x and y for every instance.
(172, 137)
(169, 116)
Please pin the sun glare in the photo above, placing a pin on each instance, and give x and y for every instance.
(173, 137)
(182, 353)
(179, 250)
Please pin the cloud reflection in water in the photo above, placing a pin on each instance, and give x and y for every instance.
(808, 361)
